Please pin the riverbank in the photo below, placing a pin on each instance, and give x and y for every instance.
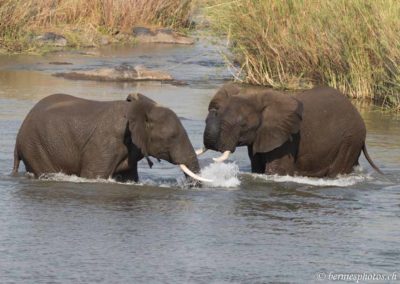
(31, 26)
(351, 45)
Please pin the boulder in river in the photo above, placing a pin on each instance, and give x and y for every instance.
(164, 35)
(50, 38)
(123, 73)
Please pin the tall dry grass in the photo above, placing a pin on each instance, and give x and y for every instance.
(21, 17)
(352, 45)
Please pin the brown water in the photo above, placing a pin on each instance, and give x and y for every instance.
(244, 228)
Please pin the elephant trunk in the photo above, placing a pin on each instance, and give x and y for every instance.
(192, 163)
(186, 157)
(191, 170)
(212, 130)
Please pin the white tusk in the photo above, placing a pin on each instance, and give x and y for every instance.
(223, 157)
(201, 151)
(192, 174)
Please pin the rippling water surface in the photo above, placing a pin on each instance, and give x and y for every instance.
(243, 228)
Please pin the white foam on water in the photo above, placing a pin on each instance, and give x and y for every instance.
(75, 179)
(222, 175)
(167, 183)
(159, 183)
(339, 181)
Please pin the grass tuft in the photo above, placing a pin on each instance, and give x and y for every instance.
(352, 45)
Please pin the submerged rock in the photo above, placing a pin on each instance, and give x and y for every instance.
(60, 63)
(163, 35)
(51, 39)
(123, 73)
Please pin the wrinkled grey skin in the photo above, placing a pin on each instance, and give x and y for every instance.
(94, 139)
(314, 133)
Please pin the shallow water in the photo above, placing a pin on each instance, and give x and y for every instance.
(243, 228)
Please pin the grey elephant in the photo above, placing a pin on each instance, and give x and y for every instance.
(91, 139)
(316, 133)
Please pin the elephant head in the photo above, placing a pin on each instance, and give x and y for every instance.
(261, 118)
(158, 132)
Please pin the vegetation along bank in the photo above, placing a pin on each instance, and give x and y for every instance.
(352, 45)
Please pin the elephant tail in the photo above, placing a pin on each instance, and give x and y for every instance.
(364, 148)
(17, 159)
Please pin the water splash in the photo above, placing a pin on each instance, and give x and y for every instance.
(222, 174)
(75, 179)
(339, 181)
(179, 182)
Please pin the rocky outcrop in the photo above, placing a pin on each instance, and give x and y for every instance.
(50, 39)
(123, 73)
(146, 35)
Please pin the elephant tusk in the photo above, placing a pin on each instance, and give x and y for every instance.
(192, 174)
(223, 157)
(201, 151)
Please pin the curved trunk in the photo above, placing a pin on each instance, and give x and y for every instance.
(185, 154)
(211, 132)
(195, 168)
(193, 165)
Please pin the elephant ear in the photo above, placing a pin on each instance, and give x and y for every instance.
(138, 120)
(281, 117)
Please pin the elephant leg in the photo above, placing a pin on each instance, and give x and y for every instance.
(39, 163)
(282, 160)
(126, 171)
(94, 173)
(257, 161)
(128, 175)
(101, 164)
(282, 166)
(346, 158)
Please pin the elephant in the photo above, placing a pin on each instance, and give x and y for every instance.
(315, 133)
(101, 139)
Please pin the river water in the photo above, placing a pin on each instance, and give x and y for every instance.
(243, 228)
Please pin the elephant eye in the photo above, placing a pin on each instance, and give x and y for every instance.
(242, 122)
(148, 124)
(213, 106)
